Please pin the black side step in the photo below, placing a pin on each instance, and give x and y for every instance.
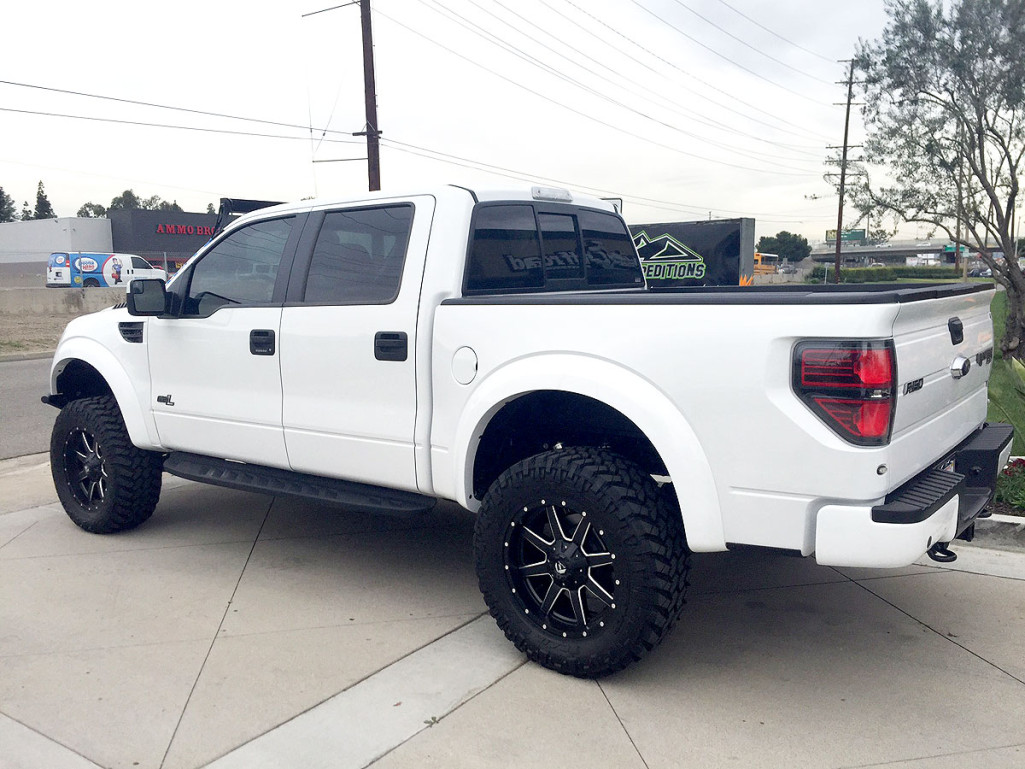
(270, 480)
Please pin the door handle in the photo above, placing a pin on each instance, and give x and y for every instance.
(391, 345)
(261, 341)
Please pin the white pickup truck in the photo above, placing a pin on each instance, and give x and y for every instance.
(500, 349)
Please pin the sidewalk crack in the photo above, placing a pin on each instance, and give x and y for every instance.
(217, 633)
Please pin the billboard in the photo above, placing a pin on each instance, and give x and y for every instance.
(847, 236)
(718, 252)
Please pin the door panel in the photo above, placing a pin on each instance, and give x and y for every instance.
(215, 369)
(347, 412)
(224, 400)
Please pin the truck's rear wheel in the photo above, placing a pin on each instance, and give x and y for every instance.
(105, 483)
(580, 560)
(91, 283)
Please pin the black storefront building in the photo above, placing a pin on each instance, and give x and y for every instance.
(159, 235)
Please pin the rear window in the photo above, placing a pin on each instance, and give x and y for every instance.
(521, 247)
(506, 252)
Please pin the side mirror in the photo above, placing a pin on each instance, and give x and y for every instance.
(147, 296)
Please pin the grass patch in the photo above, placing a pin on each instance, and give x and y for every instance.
(12, 346)
(1011, 485)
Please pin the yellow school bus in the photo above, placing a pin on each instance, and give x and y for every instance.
(766, 264)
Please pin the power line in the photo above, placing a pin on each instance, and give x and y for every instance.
(775, 34)
(722, 56)
(584, 114)
(169, 126)
(481, 32)
(801, 130)
(747, 44)
(151, 104)
(510, 173)
(634, 86)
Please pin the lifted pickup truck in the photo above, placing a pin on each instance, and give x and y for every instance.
(500, 349)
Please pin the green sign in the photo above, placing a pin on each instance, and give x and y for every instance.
(847, 236)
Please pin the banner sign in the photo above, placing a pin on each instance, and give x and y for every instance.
(718, 252)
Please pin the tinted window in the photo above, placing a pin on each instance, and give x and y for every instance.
(241, 269)
(505, 253)
(359, 255)
(562, 249)
(140, 264)
(609, 251)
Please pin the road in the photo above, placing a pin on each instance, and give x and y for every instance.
(25, 422)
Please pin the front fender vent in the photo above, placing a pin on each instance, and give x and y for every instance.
(131, 332)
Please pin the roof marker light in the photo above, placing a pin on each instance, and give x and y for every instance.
(551, 193)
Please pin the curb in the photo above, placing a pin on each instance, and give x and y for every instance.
(16, 356)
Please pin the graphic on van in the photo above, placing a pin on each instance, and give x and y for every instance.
(86, 264)
(98, 270)
(112, 271)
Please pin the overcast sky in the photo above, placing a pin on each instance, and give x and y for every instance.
(684, 108)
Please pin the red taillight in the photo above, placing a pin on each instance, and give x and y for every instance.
(835, 366)
(850, 386)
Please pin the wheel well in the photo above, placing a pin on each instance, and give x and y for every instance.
(541, 420)
(80, 380)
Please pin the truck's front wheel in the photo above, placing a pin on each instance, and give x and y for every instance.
(104, 482)
(580, 560)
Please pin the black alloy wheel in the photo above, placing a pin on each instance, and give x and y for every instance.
(105, 483)
(581, 560)
(85, 468)
(561, 567)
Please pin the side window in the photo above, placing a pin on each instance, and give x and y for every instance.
(609, 251)
(140, 264)
(562, 249)
(505, 253)
(241, 269)
(359, 255)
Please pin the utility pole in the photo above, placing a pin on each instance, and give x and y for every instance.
(370, 95)
(843, 172)
(370, 129)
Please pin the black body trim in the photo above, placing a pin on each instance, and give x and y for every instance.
(700, 295)
(131, 331)
(973, 478)
(270, 480)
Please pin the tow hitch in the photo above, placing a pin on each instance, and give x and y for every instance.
(942, 553)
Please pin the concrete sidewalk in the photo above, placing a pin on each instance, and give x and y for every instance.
(238, 630)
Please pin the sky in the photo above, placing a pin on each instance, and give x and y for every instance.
(685, 109)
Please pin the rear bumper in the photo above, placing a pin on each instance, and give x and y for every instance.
(936, 505)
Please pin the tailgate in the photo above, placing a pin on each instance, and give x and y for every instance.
(944, 355)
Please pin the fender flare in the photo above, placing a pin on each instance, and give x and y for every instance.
(634, 397)
(132, 401)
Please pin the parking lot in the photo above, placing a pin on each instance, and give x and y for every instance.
(238, 630)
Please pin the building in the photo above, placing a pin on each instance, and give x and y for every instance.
(161, 237)
(157, 236)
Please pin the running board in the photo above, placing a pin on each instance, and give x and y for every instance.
(270, 480)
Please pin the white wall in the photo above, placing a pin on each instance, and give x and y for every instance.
(35, 240)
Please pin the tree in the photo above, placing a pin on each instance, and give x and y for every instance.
(43, 209)
(8, 213)
(26, 212)
(210, 208)
(156, 204)
(92, 211)
(944, 94)
(126, 201)
(787, 245)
